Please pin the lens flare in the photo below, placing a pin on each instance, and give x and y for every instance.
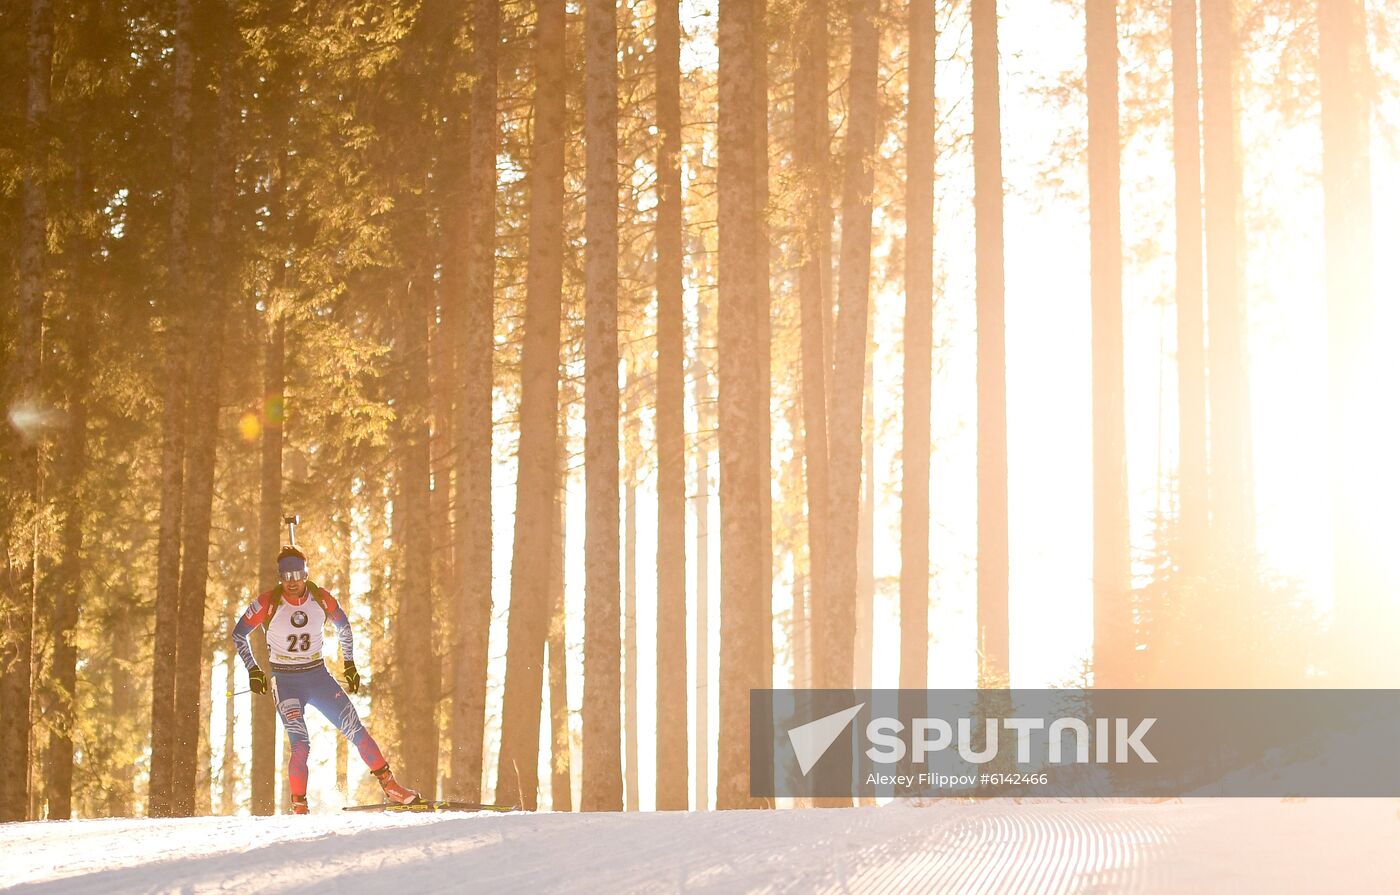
(33, 420)
(249, 427)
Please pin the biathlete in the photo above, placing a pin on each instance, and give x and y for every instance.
(293, 615)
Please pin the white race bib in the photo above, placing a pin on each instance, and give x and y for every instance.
(294, 633)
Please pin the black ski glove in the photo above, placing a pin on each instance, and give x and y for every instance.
(352, 678)
(257, 680)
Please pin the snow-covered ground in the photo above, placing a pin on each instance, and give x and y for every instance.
(1318, 845)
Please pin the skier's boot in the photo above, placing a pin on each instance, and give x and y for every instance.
(392, 790)
(299, 805)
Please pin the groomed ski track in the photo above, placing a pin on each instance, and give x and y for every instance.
(1317, 845)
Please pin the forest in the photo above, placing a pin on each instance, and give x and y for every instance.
(620, 357)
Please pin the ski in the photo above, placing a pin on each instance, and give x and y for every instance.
(431, 806)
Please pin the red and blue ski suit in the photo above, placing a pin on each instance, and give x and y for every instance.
(299, 676)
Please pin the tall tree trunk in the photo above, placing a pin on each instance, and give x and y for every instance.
(442, 387)
(24, 381)
(703, 418)
(228, 773)
(993, 624)
(801, 639)
(265, 770)
(916, 445)
(864, 667)
(230, 761)
(672, 733)
(1193, 513)
(22, 389)
(383, 524)
(475, 345)
(862, 673)
(443, 379)
(561, 791)
(1345, 74)
(68, 576)
(120, 799)
(191, 660)
(284, 788)
(602, 734)
(811, 152)
(763, 320)
(204, 747)
(1113, 621)
(799, 627)
(344, 545)
(629, 623)
(537, 478)
(1232, 512)
(835, 610)
(174, 418)
(417, 672)
(741, 471)
(790, 481)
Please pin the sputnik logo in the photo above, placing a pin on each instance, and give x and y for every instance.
(811, 740)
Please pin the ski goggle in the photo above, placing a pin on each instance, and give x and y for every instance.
(292, 568)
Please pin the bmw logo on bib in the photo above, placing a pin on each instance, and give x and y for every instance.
(298, 619)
